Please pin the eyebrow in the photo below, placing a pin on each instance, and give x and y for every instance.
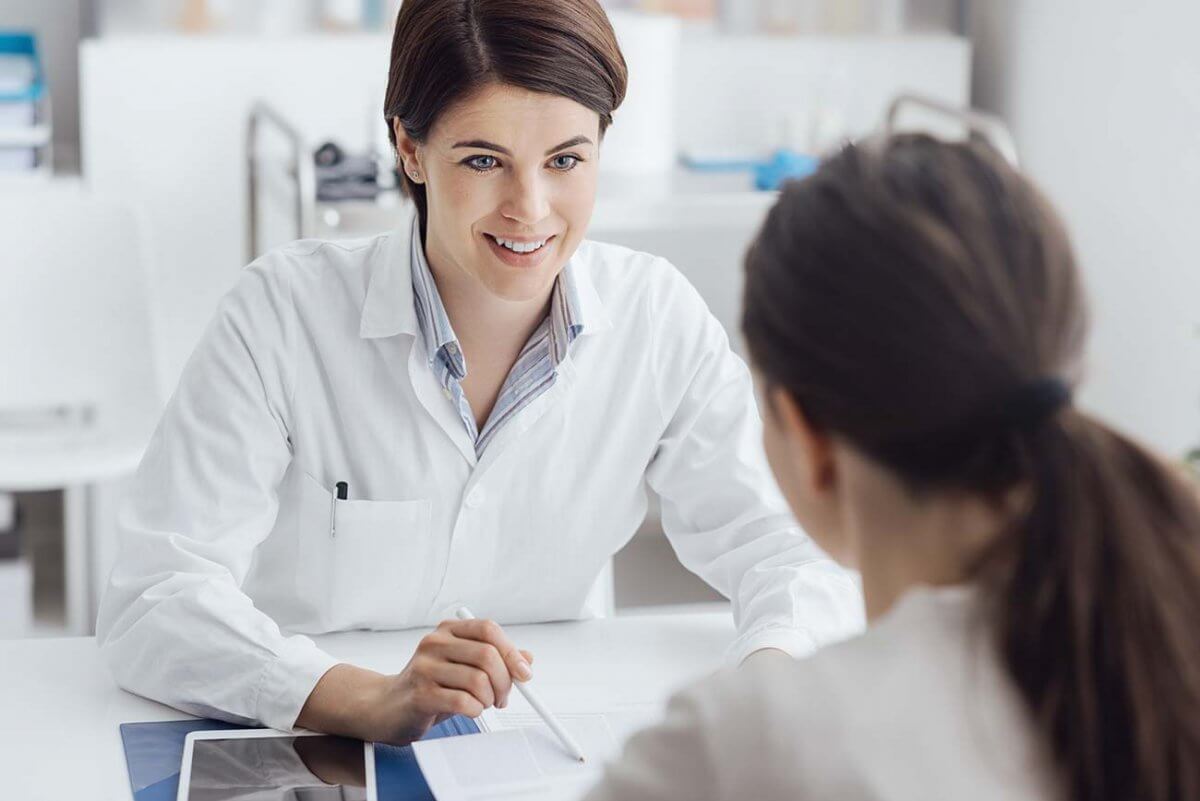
(485, 145)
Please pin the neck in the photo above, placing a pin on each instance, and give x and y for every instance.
(905, 542)
(482, 321)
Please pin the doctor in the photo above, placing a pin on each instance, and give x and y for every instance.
(466, 410)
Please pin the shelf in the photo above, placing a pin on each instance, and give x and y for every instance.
(33, 136)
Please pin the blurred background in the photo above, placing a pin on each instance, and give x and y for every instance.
(150, 148)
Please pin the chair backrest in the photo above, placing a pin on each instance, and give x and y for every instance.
(75, 324)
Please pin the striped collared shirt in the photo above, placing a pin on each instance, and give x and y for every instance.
(536, 367)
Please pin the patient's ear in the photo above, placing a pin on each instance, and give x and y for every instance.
(811, 447)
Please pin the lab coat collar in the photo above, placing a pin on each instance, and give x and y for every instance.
(389, 308)
(586, 307)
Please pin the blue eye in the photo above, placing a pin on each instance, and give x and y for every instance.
(565, 162)
(481, 163)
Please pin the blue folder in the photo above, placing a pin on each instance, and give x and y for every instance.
(154, 755)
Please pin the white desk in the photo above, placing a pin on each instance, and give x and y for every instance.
(59, 707)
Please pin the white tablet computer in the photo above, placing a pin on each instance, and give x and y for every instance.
(225, 765)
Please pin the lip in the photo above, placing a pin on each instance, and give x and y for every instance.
(514, 259)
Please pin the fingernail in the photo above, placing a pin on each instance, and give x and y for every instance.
(523, 671)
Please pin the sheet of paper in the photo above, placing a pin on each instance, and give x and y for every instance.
(623, 719)
(525, 762)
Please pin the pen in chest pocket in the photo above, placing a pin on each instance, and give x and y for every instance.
(341, 490)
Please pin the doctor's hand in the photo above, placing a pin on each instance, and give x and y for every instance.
(461, 668)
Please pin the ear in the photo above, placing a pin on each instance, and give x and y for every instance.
(813, 447)
(408, 153)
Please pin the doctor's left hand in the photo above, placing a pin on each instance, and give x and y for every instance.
(461, 668)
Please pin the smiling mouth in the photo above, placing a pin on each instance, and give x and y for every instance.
(519, 247)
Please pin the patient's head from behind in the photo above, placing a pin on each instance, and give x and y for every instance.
(895, 302)
(915, 317)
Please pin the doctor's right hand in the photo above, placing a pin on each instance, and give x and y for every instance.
(461, 668)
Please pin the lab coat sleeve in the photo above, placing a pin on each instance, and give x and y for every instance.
(174, 624)
(721, 508)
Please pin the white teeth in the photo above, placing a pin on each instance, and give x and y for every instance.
(519, 247)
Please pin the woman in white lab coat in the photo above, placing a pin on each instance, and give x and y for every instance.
(1032, 577)
(464, 411)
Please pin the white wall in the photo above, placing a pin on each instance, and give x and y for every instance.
(1104, 100)
(175, 141)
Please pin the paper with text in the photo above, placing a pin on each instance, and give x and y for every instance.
(518, 757)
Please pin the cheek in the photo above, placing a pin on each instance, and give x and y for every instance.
(815, 513)
(575, 200)
(462, 195)
(783, 466)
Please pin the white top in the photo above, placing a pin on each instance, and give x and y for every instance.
(916, 708)
(312, 373)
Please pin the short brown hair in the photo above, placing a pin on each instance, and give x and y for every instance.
(442, 50)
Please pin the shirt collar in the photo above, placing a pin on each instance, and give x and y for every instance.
(566, 312)
(431, 313)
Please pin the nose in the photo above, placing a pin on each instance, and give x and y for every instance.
(527, 200)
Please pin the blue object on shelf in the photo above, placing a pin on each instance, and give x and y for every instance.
(373, 15)
(720, 165)
(154, 756)
(784, 165)
(22, 44)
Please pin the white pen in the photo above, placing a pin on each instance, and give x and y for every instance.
(565, 738)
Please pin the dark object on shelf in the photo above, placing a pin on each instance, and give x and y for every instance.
(10, 538)
(341, 176)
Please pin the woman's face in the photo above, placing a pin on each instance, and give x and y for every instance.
(510, 179)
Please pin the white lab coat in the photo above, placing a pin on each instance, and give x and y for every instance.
(312, 373)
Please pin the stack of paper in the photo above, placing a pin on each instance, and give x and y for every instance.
(517, 757)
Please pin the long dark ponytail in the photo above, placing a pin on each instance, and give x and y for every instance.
(920, 299)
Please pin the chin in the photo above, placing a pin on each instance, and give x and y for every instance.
(520, 291)
(519, 287)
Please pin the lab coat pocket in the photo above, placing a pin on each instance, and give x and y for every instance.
(368, 570)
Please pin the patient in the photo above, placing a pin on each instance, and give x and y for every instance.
(1032, 577)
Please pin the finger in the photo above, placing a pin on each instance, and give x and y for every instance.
(528, 656)
(444, 701)
(490, 632)
(453, 676)
(484, 657)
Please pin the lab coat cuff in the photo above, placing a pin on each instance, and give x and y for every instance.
(797, 643)
(288, 680)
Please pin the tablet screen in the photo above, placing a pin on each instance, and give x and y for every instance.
(320, 768)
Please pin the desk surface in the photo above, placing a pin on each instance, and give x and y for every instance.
(61, 709)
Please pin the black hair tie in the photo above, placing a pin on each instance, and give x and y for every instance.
(1024, 409)
(1028, 407)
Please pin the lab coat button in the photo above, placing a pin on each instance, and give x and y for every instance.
(476, 497)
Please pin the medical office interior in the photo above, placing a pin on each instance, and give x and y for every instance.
(209, 132)
(149, 149)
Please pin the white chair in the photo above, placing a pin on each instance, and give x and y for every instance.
(78, 395)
